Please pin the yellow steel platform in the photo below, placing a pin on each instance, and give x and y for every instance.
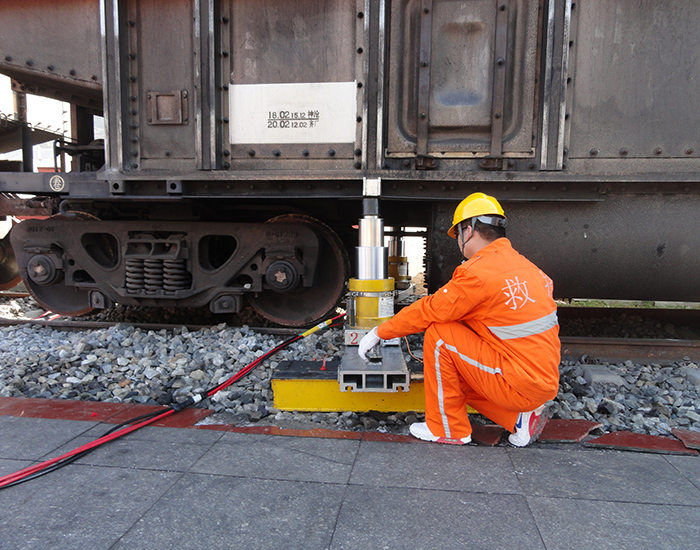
(303, 386)
(312, 386)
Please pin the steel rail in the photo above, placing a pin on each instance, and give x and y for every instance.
(95, 325)
(645, 350)
(639, 350)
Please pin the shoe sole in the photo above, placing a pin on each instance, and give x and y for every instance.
(443, 440)
(539, 426)
(450, 441)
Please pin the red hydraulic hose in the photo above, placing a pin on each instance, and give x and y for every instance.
(37, 469)
(30, 470)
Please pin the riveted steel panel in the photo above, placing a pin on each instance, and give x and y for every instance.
(464, 52)
(160, 64)
(636, 72)
(272, 44)
(292, 41)
(38, 44)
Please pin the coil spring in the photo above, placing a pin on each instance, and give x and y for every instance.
(175, 275)
(134, 275)
(153, 270)
(155, 275)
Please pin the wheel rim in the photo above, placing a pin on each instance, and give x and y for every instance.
(9, 271)
(57, 297)
(60, 299)
(308, 305)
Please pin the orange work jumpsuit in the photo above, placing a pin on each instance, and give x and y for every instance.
(491, 341)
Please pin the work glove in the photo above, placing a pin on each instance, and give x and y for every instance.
(368, 341)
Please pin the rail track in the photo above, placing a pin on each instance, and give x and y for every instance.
(683, 323)
(603, 348)
(143, 362)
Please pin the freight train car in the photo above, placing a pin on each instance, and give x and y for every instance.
(245, 138)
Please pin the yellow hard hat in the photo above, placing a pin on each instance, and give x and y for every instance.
(474, 206)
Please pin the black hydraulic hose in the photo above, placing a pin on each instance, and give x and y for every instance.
(133, 424)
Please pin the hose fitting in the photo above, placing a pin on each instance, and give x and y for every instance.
(196, 398)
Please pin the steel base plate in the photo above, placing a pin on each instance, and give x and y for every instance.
(386, 374)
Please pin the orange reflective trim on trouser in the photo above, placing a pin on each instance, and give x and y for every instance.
(461, 369)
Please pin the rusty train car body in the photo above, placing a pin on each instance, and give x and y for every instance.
(242, 137)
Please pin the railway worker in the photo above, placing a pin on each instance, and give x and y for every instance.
(491, 335)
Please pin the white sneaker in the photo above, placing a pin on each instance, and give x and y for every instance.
(421, 431)
(529, 426)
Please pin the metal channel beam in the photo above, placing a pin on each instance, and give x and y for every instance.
(389, 375)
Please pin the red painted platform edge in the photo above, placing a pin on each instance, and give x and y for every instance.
(315, 432)
(630, 441)
(276, 430)
(488, 434)
(690, 438)
(96, 411)
(115, 413)
(567, 430)
(65, 409)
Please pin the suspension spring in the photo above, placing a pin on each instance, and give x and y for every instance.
(153, 269)
(175, 275)
(134, 275)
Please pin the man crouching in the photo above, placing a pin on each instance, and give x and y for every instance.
(491, 335)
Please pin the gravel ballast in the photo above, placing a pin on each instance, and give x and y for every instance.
(127, 364)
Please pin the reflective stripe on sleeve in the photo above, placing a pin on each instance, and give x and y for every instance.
(526, 329)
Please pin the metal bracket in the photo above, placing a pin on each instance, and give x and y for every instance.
(371, 187)
(226, 303)
(499, 81)
(556, 72)
(174, 187)
(117, 187)
(167, 107)
(426, 162)
(423, 160)
(489, 163)
(99, 300)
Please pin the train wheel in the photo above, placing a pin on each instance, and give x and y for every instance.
(9, 272)
(60, 299)
(48, 289)
(308, 305)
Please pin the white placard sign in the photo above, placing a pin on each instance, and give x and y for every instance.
(313, 112)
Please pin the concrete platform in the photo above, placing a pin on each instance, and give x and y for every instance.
(216, 488)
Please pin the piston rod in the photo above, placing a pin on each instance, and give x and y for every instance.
(371, 254)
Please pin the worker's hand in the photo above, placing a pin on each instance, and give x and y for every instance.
(368, 341)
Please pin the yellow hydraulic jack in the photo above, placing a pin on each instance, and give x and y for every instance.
(353, 385)
(398, 263)
(371, 302)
